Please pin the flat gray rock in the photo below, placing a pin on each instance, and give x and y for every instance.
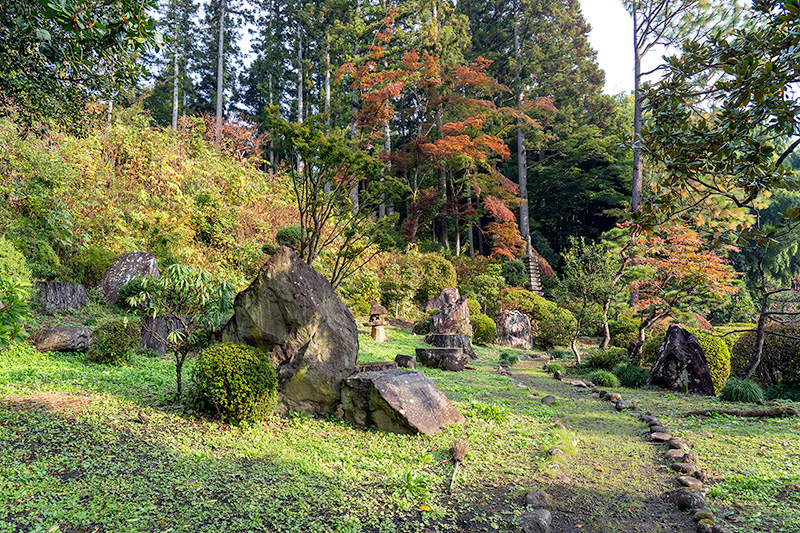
(660, 437)
(63, 339)
(689, 499)
(549, 400)
(538, 499)
(397, 401)
(690, 482)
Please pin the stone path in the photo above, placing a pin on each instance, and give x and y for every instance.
(616, 480)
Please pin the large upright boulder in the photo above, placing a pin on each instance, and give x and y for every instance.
(681, 364)
(453, 318)
(514, 330)
(398, 401)
(52, 296)
(127, 267)
(292, 313)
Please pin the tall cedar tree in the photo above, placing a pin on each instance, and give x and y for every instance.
(206, 56)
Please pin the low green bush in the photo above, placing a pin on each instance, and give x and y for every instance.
(508, 358)
(631, 376)
(742, 391)
(15, 309)
(484, 330)
(558, 353)
(783, 392)
(235, 381)
(134, 287)
(604, 378)
(553, 368)
(91, 263)
(12, 262)
(113, 341)
(624, 330)
(515, 273)
(779, 361)
(607, 359)
(289, 236)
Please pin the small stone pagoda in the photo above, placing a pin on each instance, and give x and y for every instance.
(377, 322)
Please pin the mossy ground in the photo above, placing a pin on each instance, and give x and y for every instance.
(76, 456)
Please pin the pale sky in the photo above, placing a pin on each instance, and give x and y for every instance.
(612, 37)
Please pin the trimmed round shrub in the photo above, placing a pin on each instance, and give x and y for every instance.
(474, 307)
(515, 274)
(113, 341)
(603, 378)
(779, 364)
(560, 354)
(484, 330)
(236, 381)
(742, 391)
(553, 368)
(631, 376)
(606, 359)
(289, 236)
(718, 357)
(624, 331)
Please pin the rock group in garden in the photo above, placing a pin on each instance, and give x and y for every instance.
(127, 267)
(398, 401)
(452, 359)
(292, 313)
(514, 330)
(453, 316)
(681, 364)
(52, 296)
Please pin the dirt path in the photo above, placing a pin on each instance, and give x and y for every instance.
(616, 480)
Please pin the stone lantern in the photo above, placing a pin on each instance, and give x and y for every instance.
(377, 322)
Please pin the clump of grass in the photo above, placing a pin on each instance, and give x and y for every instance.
(632, 376)
(604, 378)
(558, 353)
(508, 358)
(783, 392)
(490, 411)
(742, 391)
(553, 368)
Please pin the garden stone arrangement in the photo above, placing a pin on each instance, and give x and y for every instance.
(450, 327)
(52, 296)
(292, 313)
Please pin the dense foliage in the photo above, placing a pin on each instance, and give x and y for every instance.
(237, 382)
(742, 391)
(552, 325)
(112, 341)
(779, 363)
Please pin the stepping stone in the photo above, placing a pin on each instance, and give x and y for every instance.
(703, 514)
(690, 482)
(536, 521)
(660, 437)
(653, 422)
(549, 399)
(674, 455)
(538, 499)
(659, 429)
(689, 499)
(705, 526)
(623, 405)
(677, 444)
(555, 452)
(684, 468)
(613, 397)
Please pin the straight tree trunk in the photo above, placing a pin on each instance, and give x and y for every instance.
(175, 74)
(299, 75)
(636, 191)
(470, 236)
(220, 73)
(522, 163)
(271, 137)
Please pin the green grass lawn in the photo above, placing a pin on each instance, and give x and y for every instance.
(75, 457)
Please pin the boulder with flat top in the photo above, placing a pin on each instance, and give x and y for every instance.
(397, 401)
(127, 267)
